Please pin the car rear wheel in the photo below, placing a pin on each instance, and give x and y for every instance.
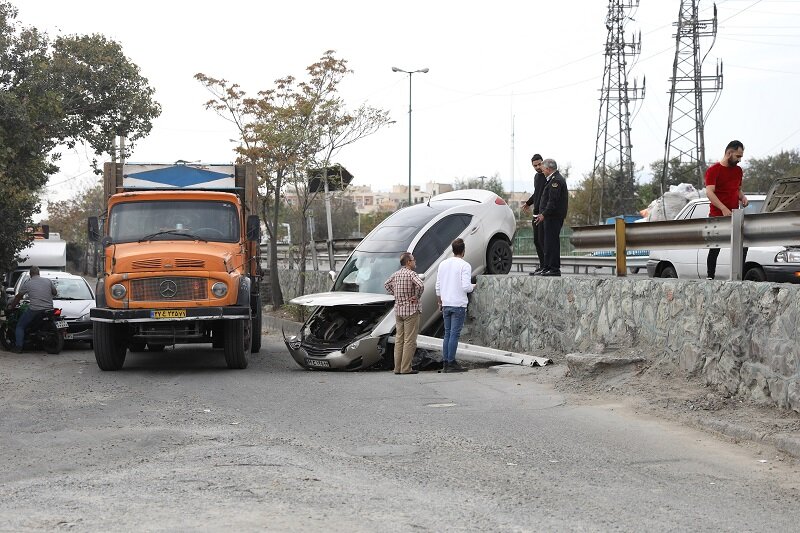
(755, 274)
(669, 272)
(498, 257)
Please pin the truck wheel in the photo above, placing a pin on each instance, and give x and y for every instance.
(52, 339)
(237, 343)
(255, 332)
(110, 345)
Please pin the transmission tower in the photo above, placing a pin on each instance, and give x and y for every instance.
(685, 143)
(612, 156)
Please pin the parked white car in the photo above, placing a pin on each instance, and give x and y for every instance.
(74, 296)
(763, 263)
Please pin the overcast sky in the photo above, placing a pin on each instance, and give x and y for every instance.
(536, 65)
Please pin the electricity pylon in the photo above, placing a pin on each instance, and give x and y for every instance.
(685, 142)
(612, 155)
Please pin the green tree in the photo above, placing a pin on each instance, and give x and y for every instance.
(75, 89)
(761, 173)
(493, 184)
(289, 130)
(68, 218)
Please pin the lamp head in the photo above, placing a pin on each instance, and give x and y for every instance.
(395, 69)
(424, 71)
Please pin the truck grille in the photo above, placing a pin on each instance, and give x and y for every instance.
(168, 289)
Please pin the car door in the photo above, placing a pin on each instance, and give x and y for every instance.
(685, 261)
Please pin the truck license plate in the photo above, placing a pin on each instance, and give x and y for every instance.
(318, 363)
(61, 324)
(168, 313)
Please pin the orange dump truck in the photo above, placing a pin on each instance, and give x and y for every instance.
(180, 261)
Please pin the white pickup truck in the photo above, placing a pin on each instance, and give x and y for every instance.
(763, 263)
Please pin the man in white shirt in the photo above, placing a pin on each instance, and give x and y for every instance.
(453, 283)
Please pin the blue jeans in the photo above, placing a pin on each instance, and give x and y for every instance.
(27, 317)
(453, 322)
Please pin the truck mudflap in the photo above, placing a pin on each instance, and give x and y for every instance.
(100, 314)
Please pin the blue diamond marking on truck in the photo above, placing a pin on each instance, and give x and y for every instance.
(179, 176)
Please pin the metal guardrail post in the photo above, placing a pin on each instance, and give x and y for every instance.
(620, 248)
(737, 254)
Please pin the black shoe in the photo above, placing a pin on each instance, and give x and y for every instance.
(445, 366)
(455, 367)
(552, 273)
(537, 271)
(412, 372)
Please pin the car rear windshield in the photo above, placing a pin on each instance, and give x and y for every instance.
(396, 232)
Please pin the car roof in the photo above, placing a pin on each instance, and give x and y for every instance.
(705, 200)
(56, 274)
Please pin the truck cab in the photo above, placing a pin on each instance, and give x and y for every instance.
(180, 247)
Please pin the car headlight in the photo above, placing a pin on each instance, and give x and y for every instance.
(118, 291)
(353, 346)
(788, 256)
(85, 318)
(219, 289)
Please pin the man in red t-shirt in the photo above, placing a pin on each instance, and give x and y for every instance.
(724, 190)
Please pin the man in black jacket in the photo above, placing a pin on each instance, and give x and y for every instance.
(538, 229)
(552, 212)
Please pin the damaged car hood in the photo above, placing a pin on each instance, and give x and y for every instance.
(327, 299)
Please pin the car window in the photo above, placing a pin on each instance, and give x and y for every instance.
(700, 211)
(438, 238)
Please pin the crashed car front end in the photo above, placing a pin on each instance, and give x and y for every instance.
(343, 336)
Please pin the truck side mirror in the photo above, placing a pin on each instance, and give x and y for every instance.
(253, 228)
(94, 229)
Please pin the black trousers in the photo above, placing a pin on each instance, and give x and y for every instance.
(711, 261)
(538, 242)
(552, 242)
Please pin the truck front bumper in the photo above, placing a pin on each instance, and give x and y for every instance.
(102, 314)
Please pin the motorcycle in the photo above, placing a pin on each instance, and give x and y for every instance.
(46, 332)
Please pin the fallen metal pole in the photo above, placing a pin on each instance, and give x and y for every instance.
(473, 352)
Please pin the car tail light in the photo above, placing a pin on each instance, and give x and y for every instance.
(499, 201)
(56, 312)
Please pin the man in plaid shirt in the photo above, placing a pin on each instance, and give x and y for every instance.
(407, 287)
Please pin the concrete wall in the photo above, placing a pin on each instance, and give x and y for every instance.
(739, 337)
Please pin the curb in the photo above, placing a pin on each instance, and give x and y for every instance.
(273, 324)
(782, 443)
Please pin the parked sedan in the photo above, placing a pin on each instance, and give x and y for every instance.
(763, 263)
(74, 297)
(352, 324)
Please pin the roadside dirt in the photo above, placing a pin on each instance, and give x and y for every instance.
(659, 389)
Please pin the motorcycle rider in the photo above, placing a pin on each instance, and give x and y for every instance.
(40, 292)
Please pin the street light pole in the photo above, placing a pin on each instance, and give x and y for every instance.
(409, 72)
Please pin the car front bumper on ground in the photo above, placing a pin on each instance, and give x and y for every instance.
(367, 353)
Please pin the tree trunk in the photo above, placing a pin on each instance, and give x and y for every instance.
(274, 278)
(303, 244)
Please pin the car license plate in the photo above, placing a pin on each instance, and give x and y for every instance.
(168, 313)
(318, 363)
(61, 324)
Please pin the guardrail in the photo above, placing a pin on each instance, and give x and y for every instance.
(585, 262)
(737, 231)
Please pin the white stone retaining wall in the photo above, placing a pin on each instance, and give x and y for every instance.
(740, 337)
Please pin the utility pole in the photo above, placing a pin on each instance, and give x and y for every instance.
(685, 142)
(612, 155)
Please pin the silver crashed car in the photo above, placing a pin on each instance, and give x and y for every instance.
(351, 325)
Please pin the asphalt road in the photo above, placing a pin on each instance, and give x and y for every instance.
(175, 441)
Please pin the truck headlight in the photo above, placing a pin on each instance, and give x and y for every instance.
(118, 291)
(788, 256)
(219, 289)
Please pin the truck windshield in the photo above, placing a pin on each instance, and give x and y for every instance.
(171, 220)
